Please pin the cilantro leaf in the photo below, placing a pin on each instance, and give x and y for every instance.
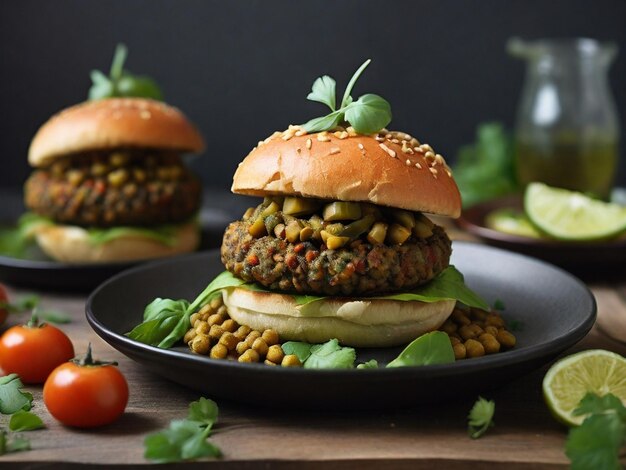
(368, 114)
(12, 398)
(204, 411)
(480, 417)
(300, 349)
(371, 364)
(323, 123)
(185, 439)
(429, 349)
(592, 403)
(12, 443)
(25, 421)
(330, 355)
(596, 443)
(120, 82)
(485, 169)
(323, 91)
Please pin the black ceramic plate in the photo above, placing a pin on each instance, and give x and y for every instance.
(555, 309)
(582, 258)
(36, 270)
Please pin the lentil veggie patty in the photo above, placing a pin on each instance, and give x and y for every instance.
(358, 268)
(103, 189)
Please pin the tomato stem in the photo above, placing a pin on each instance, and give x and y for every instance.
(34, 320)
(88, 361)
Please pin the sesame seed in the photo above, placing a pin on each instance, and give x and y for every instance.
(361, 146)
(260, 143)
(395, 141)
(417, 165)
(145, 115)
(309, 144)
(408, 162)
(335, 150)
(323, 138)
(433, 171)
(300, 132)
(439, 159)
(379, 138)
(449, 173)
(391, 153)
(429, 155)
(389, 136)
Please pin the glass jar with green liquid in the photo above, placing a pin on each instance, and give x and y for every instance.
(567, 129)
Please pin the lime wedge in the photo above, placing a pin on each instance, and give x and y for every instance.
(569, 379)
(569, 215)
(511, 221)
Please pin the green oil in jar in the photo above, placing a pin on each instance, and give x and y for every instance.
(565, 161)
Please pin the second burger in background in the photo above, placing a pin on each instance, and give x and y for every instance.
(110, 183)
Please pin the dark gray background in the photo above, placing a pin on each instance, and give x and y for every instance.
(242, 69)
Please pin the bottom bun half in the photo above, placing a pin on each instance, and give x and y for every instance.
(71, 244)
(359, 322)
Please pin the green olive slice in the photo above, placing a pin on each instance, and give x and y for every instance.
(340, 210)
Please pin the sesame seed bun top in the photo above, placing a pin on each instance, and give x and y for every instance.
(387, 168)
(113, 123)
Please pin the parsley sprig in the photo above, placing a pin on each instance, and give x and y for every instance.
(17, 403)
(480, 417)
(120, 82)
(596, 443)
(369, 114)
(185, 439)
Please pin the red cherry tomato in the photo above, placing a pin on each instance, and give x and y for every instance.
(85, 394)
(4, 299)
(33, 351)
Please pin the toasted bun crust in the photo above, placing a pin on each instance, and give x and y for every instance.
(110, 123)
(359, 322)
(70, 244)
(351, 168)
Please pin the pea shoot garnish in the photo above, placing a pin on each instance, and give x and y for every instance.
(120, 82)
(369, 114)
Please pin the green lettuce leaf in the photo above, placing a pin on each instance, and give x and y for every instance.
(448, 285)
(165, 234)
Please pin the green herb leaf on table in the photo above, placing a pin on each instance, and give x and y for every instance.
(367, 115)
(120, 82)
(25, 421)
(12, 443)
(485, 170)
(185, 439)
(597, 442)
(429, 349)
(204, 411)
(54, 316)
(480, 417)
(12, 398)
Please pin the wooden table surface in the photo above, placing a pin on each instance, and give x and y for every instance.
(525, 435)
